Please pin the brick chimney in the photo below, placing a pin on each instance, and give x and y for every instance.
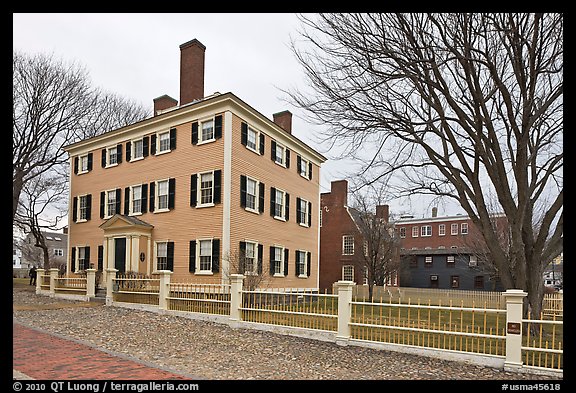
(284, 120)
(191, 71)
(164, 102)
(383, 211)
(339, 192)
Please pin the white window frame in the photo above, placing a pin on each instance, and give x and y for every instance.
(450, 259)
(256, 148)
(107, 202)
(453, 229)
(304, 212)
(283, 162)
(256, 195)
(347, 246)
(200, 204)
(131, 209)
(282, 217)
(78, 248)
(201, 123)
(159, 136)
(133, 156)
(199, 255)
(157, 195)
(254, 271)
(301, 256)
(473, 261)
(58, 252)
(464, 228)
(304, 165)
(82, 159)
(157, 254)
(426, 230)
(79, 208)
(402, 232)
(280, 261)
(348, 273)
(415, 231)
(428, 261)
(109, 162)
(441, 229)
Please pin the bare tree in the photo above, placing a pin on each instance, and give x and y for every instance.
(241, 262)
(455, 106)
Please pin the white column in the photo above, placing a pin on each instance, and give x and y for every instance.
(148, 255)
(135, 252)
(53, 277)
(164, 289)
(514, 299)
(236, 281)
(110, 285)
(111, 253)
(129, 253)
(90, 283)
(39, 279)
(344, 290)
(104, 261)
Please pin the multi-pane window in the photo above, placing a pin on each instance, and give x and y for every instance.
(479, 282)
(58, 252)
(83, 163)
(347, 245)
(137, 149)
(136, 199)
(454, 229)
(303, 212)
(303, 168)
(441, 229)
(301, 262)
(250, 264)
(205, 255)
(164, 142)
(251, 193)
(473, 261)
(426, 230)
(402, 232)
(112, 155)
(206, 188)
(414, 231)
(279, 158)
(464, 228)
(277, 262)
(252, 141)
(348, 273)
(450, 261)
(162, 195)
(455, 281)
(428, 261)
(207, 130)
(279, 204)
(82, 260)
(83, 207)
(162, 256)
(111, 203)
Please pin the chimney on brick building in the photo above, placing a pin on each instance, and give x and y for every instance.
(284, 120)
(339, 192)
(434, 211)
(383, 212)
(191, 71)
(163, 102)
(65, 230)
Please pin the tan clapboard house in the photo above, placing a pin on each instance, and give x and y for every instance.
(198, 189)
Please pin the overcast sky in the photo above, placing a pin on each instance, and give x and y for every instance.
(137, 56)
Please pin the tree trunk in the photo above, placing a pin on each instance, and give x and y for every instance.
(46, 257)
(17, 185)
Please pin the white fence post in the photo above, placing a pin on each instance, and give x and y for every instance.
(514, 299)
(39, 280)
(53, 277)
(344, 289)
(110, 276)
(90, 283)
(164, 289)
(236, 282)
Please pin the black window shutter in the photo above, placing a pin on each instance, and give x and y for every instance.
(74, 209)
(170, 256)
(127, 201)
(272, 253)
(262, 144)
(286, 255)
(195, 133)
(261, 198)
(218, 127)
(119, 153)
(153, 144)
(128, 151)
(152, 196)
(193, 190)
(260, 254)
(88, 206)
(217, 186)
(296, 263)
(287, 158)
(308, 263)
(244, 134)
(87, 258)
(243, 189)
(298, 163)
(73, 260)
(273, 151)
(171, 192)
(75, 165)
(298, 210)
(172, 138)
(103, 158)
(192, 257)
(144, 193)
(102, 202)
(215, 255)
(89, 161)
(272, 200)
(145, 146)
(118, 200)
(287, 212)
(309, 171)
(242, 256)
(309, 214)
(100, 257)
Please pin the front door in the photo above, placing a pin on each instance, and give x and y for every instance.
(120, 254)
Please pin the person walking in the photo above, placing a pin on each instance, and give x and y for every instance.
(32, 275)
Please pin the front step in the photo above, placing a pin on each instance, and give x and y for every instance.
(100, 296)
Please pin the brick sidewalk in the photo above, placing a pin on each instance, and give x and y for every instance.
(41, 355)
